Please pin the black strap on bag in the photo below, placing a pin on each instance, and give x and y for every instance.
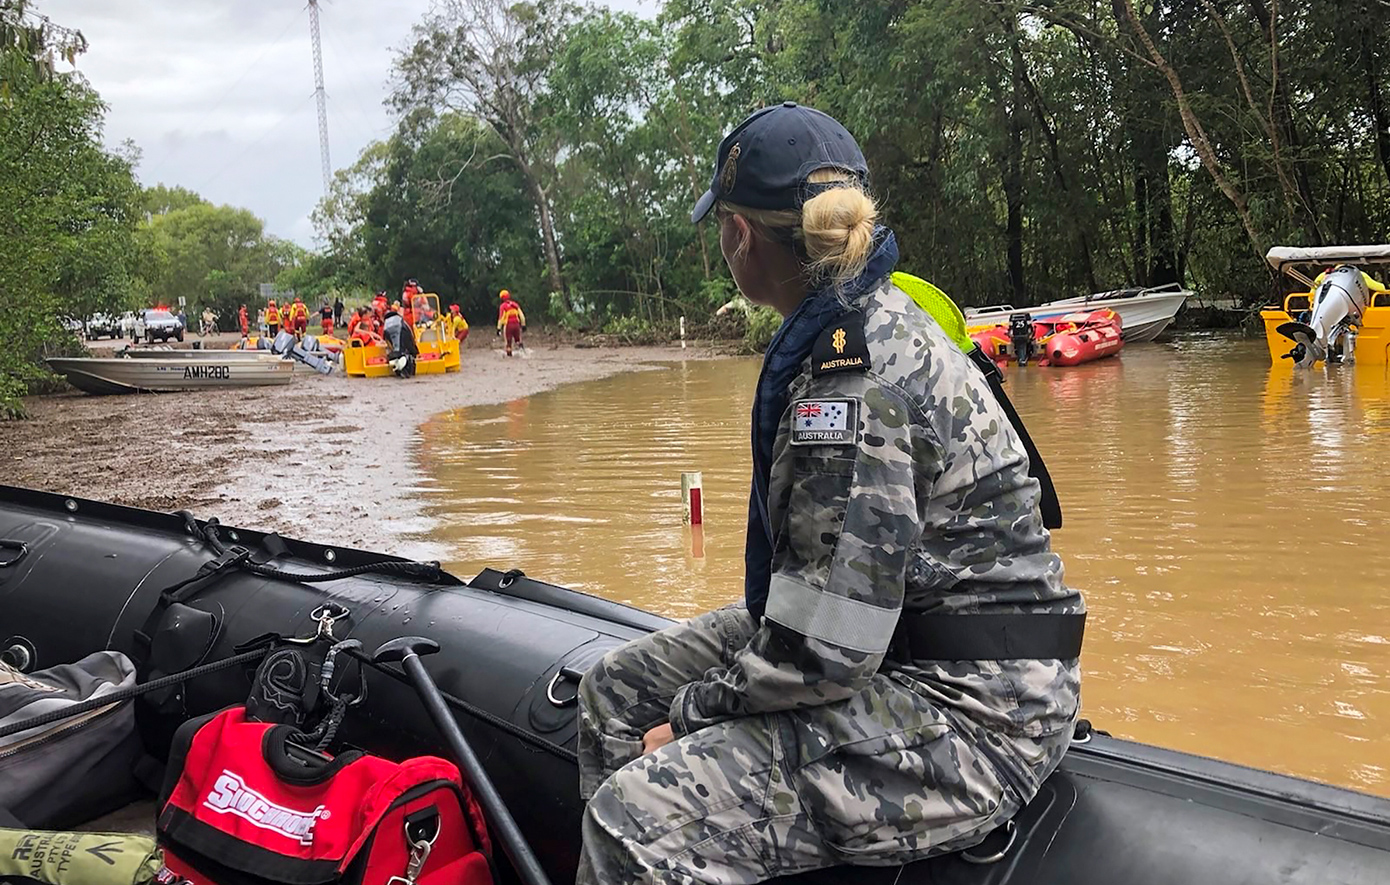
(1049, 505)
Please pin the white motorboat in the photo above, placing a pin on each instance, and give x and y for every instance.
(120, 375)
(169, 353)
(1144, 313)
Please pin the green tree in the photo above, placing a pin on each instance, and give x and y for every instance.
(486, 60)
(68, 207)
(214, 256)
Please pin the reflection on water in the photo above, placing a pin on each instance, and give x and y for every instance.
(1229, 523)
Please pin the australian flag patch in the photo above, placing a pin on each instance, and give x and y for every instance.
(821, 422)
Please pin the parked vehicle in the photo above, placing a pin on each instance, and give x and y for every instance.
(157, 323)
(103, 325)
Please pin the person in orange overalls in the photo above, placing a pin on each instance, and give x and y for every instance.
(457, 324)
(272, 318)
(326, 318)
(410, 290)
(379, 306)
(355, 320)
(511, 322)
(244, 321)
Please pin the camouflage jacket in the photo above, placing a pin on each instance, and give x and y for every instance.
(897, 482)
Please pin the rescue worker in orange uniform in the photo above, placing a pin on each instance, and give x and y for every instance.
(272, 318)
(379, 306)
(364, 331)
(457, 325)
(355, 320)
(299, 316)
(409, 291)
(244, 321)
(511, 322)
(326, 318)
(420, 309)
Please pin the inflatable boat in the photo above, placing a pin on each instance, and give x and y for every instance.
(1068, 340)
(77, 576)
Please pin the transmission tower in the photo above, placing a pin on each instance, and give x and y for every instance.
(319, 94)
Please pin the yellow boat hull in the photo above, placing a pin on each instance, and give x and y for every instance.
(370, 362)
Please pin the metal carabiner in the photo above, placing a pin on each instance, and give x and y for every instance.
(325, 616)
(419, 854)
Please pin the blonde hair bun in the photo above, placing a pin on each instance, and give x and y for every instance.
(837, 230)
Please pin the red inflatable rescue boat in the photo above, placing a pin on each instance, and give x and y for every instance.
(1082, 337)
(1064, 341)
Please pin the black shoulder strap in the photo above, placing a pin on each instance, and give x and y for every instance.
(1049, 505)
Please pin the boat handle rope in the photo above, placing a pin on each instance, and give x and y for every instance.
(1011, 830)
(566, 674)
(239, 557)
(21, 550)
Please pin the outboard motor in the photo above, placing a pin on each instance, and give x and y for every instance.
(284, 342)
(1337, 308)
(401, 342)
(1021, 336)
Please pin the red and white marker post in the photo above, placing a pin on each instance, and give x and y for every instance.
(692, 497)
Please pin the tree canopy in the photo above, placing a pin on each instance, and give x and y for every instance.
(1022, 151)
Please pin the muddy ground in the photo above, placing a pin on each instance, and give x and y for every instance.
(276, 458)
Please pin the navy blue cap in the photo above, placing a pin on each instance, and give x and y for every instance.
(765, 161)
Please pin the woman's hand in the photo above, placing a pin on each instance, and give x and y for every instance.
(657, 738)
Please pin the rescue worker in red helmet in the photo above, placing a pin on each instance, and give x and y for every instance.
(457, 324)
(511, 322)
(272, 318)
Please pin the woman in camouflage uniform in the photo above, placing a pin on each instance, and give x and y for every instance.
(903, 672)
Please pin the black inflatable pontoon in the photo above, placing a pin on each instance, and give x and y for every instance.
(82, 576)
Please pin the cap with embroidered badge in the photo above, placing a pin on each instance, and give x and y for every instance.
(765, 161)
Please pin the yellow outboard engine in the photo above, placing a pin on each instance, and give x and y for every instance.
(1331, 331)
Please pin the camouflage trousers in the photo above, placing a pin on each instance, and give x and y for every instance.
(882, 778)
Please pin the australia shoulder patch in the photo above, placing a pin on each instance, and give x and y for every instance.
(841, 347)
(825, 422)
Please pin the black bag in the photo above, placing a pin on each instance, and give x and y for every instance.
(76, 769)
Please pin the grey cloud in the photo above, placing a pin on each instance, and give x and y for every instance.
(218, 96)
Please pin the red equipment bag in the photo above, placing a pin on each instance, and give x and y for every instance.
(240, 805)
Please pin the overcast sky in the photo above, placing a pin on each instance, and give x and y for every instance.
(219, 94)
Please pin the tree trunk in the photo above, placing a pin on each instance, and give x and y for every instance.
(552, 252)
(1195, 133)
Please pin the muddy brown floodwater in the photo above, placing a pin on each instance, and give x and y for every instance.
(1229, 523)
